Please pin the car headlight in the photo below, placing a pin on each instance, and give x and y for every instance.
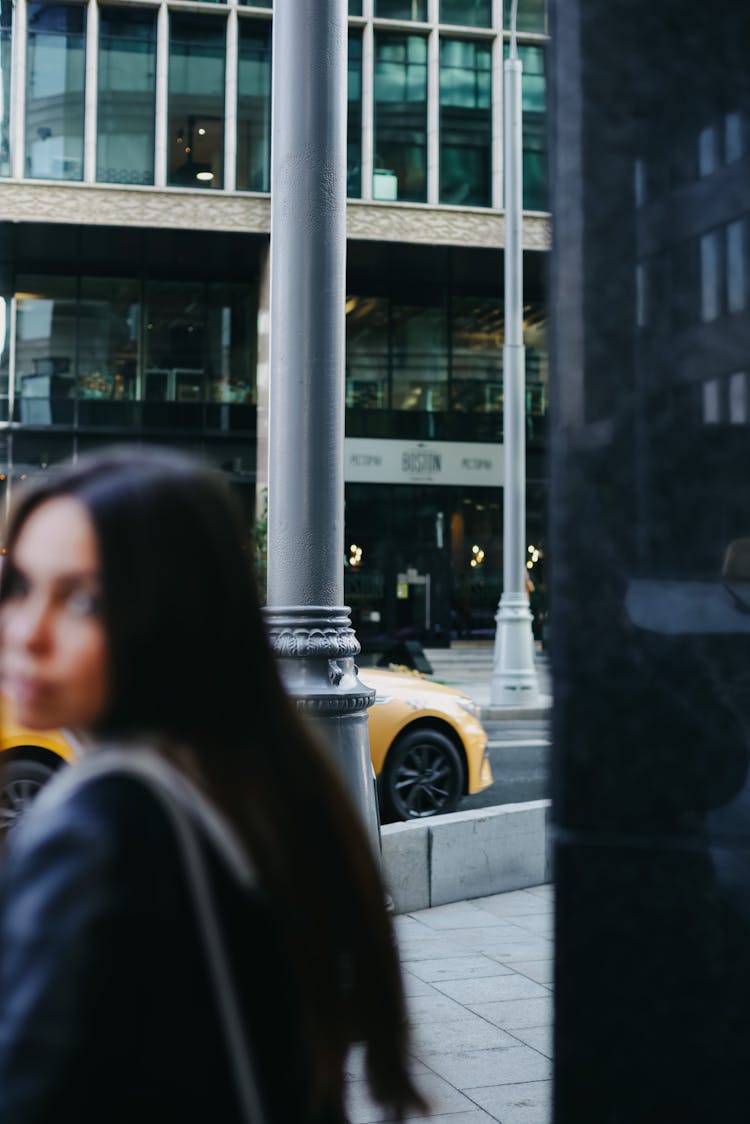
(473, 708)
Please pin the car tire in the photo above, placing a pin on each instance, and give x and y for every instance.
(21, 779)
(423, 776)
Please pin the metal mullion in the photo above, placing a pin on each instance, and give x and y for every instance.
(18, 87)
(91, 92)
(231, 63)
(433, 117)
(368, 104)
(161, 111)
(497, 107)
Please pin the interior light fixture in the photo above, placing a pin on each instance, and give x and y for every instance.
(204, 176)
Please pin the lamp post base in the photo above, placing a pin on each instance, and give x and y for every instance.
(514, 677)
(315, 648)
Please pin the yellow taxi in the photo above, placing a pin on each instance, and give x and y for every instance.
(427, 744)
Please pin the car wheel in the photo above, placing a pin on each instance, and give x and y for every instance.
(20, 781)
(423, 776)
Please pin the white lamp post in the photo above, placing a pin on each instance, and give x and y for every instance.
(514, 677)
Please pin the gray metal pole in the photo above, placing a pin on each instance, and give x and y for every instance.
(514, 678)
(309, 626)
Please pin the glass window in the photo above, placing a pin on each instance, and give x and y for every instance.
(127, 92)
(109, 334)
(641, 295)
(55, 91)
(258, 3)
(367, 353)
(465, 122)
(737, 265)
(711, 402)
(400, 117)
(354, 117)
(175, 360)
(710, 283)
(355, 7)
(196, 101)
(254, 106)
(420, 358)
(477, 343)
(231, 345)
(733, 140)
(401, 9)
(738, 398)
(707, 151)
(6, 25)
(46, 334)
(532, 15)
(534, 101)
(639, 182)
(469, 13)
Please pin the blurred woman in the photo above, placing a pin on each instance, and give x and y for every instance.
(128, 611)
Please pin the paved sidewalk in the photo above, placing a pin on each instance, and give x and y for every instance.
(468, 665)
(478, 978)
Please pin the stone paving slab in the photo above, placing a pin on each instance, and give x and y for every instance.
(478, 978)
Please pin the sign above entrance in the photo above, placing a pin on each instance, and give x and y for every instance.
(374, 461)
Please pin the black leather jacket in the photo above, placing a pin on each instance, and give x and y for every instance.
(106, 1010)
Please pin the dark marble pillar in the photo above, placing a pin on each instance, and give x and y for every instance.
(650, 631)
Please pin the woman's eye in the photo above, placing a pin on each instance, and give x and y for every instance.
(17, 587)
(83, 604)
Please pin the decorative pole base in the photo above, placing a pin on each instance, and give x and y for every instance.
(514, 677)
(315, 647)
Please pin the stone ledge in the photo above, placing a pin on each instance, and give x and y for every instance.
(466, 855)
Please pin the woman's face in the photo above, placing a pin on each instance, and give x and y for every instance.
(53, 648)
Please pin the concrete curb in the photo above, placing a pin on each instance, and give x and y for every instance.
(503, 713)
(543, 709)
(466, 855)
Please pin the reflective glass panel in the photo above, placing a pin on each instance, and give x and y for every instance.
(465, 122)
(737, 265)
(355, 7)
(367, 352)
(109, 333)
(6, 23)
(127, 91)
(534, 99)
(400, 117)
(254, 106)
(477, 343)
(401, 9)
(469, 13)
(420, 358)
(532, 15)
(354, 117)
(55, 70)
(231, 345)
(46, 337)
(175, 360)
(196, 101)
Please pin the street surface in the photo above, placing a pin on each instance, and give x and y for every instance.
(519, 754)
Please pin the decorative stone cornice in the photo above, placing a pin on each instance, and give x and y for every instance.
(446, 226)
(184, 209)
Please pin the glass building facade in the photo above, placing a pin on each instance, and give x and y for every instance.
(155, 329)
(413, 84)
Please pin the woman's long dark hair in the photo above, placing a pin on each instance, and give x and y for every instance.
(191, 665)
